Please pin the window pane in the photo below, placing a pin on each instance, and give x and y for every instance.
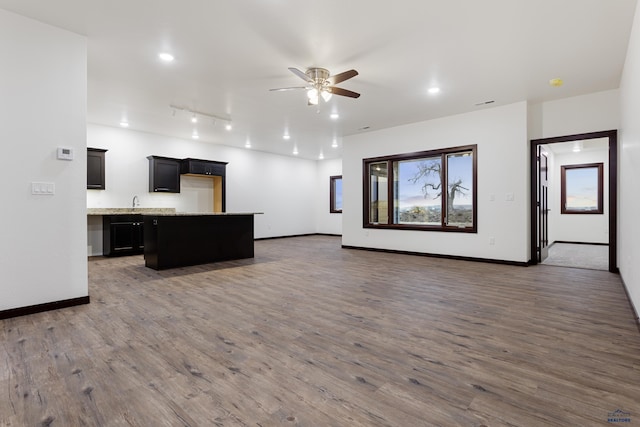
(460, 189)
(335, 194)
(582, 188)
(379, 197)
(337, 191)
(418, 187)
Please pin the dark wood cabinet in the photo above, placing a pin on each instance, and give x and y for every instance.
(122, 235)
(95, 169)
(164, 174)
(203, 167)
(212, 169)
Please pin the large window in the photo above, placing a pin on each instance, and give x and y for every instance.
(581, 189)
(430, 190)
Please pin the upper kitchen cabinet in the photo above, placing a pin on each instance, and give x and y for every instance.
(95, 168)
(164, 174)
(213, 170)
(203, 167)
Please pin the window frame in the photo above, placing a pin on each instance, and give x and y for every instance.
(442, 153)
(332, 193)
(563, 189)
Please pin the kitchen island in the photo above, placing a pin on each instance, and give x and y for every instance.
(181, 239)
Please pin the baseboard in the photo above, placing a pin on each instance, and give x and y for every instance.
(633, 308)
(579, 243)
(297, 235)
(456, 257)
(39, 308)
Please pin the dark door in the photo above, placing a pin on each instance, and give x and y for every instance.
(167, 177)
(123, 236)
(95, 169)
(543, 206)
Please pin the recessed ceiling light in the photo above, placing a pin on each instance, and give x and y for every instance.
(247, 144)
(166, 57)
(195, 135)
(124, 124)
(194, 119)
(321, 156)
(335, 116)
(228, 126)
(335, 143)
(286, 136)
(295, 151)
(433, 90)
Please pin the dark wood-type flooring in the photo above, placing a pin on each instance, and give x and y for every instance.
(309, 334)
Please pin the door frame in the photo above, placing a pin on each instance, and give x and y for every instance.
(612, 135)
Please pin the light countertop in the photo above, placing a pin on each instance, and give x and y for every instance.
(130, 211)
(158, 212)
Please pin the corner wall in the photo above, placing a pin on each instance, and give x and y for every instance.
(629, 168)
(43, 106)
(327, 222)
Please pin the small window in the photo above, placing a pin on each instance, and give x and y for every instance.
(581, 189)
(430, 190)
(335, 194)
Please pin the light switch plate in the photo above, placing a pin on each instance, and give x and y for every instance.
(43, 188)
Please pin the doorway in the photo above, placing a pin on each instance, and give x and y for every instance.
(541, 245)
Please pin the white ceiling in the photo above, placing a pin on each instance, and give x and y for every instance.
(229, 53)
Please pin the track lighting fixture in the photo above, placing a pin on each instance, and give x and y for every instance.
(195, 114)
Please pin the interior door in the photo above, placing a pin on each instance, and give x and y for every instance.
(543, 206)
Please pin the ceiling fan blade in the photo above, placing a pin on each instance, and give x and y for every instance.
(279, 89)
(342, 77)
(301, 74)
(342, 92)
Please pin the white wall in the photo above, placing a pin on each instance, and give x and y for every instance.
(578, 228)
(281, 187)
(629, 168)
(43, 106)
(326, 222)
(579, 114)
(501, 136)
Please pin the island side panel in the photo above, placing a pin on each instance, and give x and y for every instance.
(176, 241)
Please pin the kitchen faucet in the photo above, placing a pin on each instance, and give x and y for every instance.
(136, 202)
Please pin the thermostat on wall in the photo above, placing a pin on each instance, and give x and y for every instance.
(65, 153)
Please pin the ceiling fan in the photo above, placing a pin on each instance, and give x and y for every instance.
(320, 84)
